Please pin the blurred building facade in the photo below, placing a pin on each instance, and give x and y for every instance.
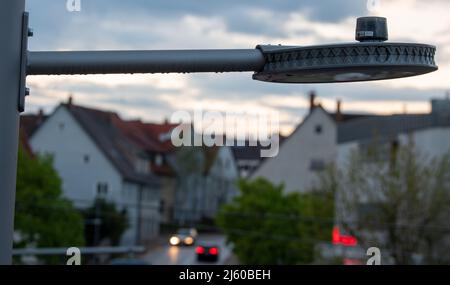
(427, 134)
(134, 165)
(307, 151)
(324, 138)
(95, 160)
(202, 189)
(248, 157)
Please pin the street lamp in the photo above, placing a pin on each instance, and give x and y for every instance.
(370, 59)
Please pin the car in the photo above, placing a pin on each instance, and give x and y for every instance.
(207, 253)
(184, 236)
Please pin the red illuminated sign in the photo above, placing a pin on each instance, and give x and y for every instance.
(338, 239)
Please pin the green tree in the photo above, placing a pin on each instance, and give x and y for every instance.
(43, 217)
(398, 202)
(267, 226)
(113, 222)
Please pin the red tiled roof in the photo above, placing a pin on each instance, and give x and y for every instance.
(148, 136)
(30, 123)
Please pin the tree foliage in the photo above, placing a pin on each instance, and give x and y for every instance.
(400, 204)
(113, 222)
(43, 217)
(266, 226)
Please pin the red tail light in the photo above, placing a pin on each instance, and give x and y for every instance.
(200, 250)
(213, 251)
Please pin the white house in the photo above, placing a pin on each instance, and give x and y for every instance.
(306, 152)
(93, 158)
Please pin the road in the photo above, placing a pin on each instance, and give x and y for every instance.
(182, 255)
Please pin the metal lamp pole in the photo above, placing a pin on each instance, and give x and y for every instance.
(11, 12)
(370, 59)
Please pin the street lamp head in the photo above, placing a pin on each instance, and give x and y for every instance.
(370, 59)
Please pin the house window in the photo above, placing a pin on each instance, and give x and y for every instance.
(61, 126)
(317, 165)
(318, 129)
(86, 158)
(102, 189)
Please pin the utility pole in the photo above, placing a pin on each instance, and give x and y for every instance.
(11, 14)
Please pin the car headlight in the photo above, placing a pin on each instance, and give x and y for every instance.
(188, 241)
(174, 240)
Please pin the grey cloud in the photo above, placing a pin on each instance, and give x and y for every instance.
(55, 26)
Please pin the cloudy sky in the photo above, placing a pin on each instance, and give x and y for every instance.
(175, 24)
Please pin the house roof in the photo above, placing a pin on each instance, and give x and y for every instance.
(345, 117)
(101, 126)
(30, 123)
(389, 126)
(150, 137)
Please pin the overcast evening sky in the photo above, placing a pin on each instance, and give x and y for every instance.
(175, 24)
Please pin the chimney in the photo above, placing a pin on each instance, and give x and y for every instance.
(70, 100)
(312, 100)
(40, 116)
(405, 109)
(339, 116)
